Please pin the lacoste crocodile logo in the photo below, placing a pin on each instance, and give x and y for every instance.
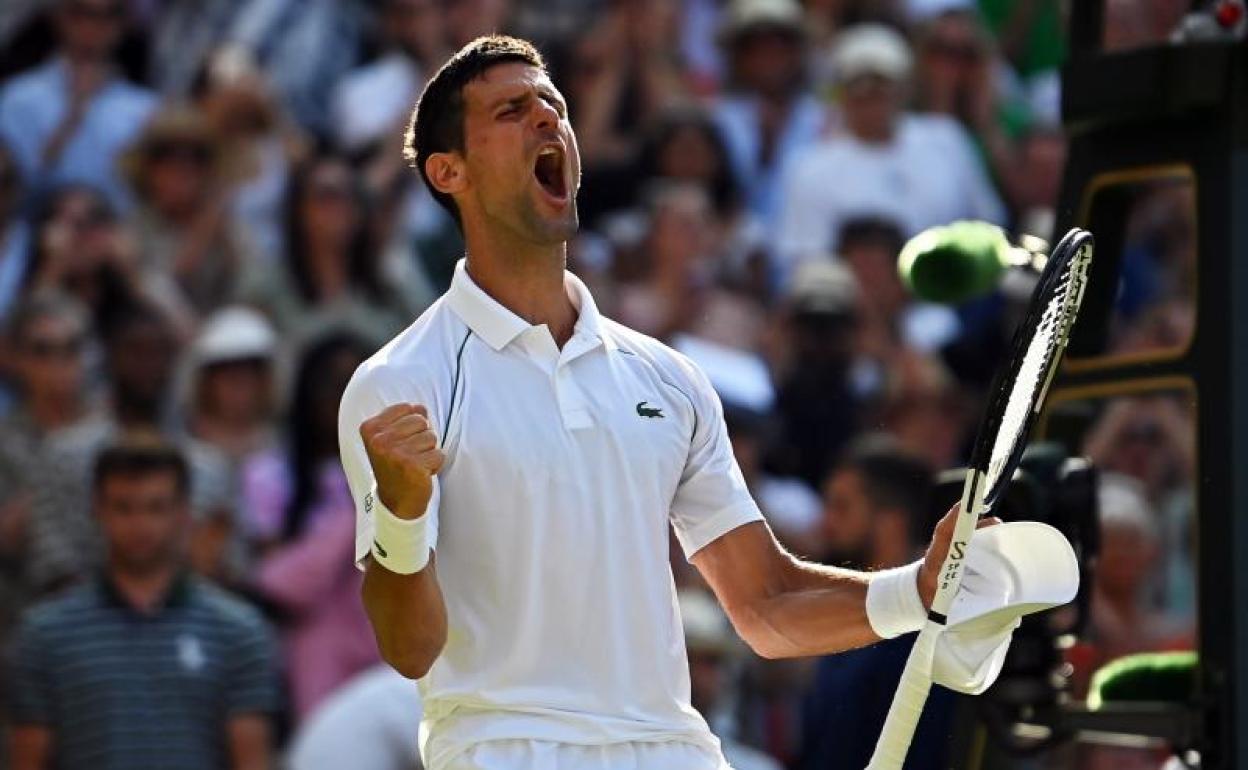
(380, 551)
(648, 411)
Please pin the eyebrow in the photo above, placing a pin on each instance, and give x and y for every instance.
(542, 91)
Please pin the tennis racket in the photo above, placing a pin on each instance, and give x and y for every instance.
(1018, 393)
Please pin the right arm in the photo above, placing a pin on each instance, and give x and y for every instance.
(407, 612)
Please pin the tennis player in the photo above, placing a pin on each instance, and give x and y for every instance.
(541, 451)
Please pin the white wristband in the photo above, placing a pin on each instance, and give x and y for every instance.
(894, 606)
(399, 545)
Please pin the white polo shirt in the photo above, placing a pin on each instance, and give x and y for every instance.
(563, 469)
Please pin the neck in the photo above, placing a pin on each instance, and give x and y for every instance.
(144, 588)
(135, 412)
(85, 60)
(526, 281)
(871, 133)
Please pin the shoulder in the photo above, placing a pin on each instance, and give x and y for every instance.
(814, 163)
(670, 364)
(63, 611)
(31, 84)
(417, 364)
(928, 127)
(230, 613)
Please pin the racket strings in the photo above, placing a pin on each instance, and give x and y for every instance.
(1033, 373)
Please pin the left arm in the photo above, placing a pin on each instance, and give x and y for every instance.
(784, 607)
(780, 605)
(249, 740)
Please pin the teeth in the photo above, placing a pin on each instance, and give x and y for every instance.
(548, 151)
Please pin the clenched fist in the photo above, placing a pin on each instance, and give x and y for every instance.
(403, 450)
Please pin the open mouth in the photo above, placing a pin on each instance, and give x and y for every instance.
(549, 172)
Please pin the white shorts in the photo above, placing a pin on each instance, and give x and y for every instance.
(546, 755)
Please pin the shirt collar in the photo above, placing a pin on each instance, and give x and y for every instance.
(176, 595)
(498, 326)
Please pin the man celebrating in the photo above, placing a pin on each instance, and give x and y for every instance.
(541, 450)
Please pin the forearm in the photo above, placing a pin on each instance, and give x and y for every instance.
(816, 610)
(408, 616)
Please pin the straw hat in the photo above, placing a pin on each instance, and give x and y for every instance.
(182, 123)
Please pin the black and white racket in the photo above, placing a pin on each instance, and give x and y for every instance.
(1018, 393)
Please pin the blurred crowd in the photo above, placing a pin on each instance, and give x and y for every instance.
(206, 224)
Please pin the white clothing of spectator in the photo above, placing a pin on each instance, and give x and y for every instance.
(92, 123)
(916, 170)
(370, 723)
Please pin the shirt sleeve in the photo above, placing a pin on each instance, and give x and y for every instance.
(30, 698)
(368, 393)
(712, 498)
(252, 670)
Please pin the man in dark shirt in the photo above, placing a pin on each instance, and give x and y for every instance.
(146, 665)
(874, 503)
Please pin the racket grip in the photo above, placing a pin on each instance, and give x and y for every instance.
(907, 707)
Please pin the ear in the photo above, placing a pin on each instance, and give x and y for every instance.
(446, 172)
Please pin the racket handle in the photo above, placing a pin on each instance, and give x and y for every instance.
(907, 706)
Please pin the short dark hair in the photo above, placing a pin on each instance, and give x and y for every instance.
(870, 231)
(892, 478)
(142, 456)
(437, 123)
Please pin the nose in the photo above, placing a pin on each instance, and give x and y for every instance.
(546, 117)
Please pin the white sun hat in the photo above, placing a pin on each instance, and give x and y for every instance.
(1011, 570)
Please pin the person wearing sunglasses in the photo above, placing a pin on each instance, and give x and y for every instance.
(67, 119)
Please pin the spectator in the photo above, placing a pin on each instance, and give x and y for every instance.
(624, 72)
(671, 270)
(816, 403)
(367, 724)
(182, 38)
(333, 273)
(242, 112)
(68, 119)
(48, 336)
(373, 102)
(305, 46)
(183, 177)
(916, 170)
(63, 541)
(467, 20)
(926, 410)
(302, 519)
(790, 505)
(78, 246)
(875, 504)
(14, 232)
(231, 390)
(768, 115)
(714, 651)
(191, 674)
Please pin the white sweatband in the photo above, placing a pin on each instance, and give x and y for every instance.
(399, 545)
(894, 606)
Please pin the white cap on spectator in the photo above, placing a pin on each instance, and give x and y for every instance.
(871, 49)
(233, 334)
(745, 15)
(823, 285)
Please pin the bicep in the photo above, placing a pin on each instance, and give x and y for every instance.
(30, 746)
(249, 738)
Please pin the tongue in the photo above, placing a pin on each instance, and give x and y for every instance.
(547, 173)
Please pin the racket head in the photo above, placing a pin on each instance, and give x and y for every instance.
(1020, 386)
